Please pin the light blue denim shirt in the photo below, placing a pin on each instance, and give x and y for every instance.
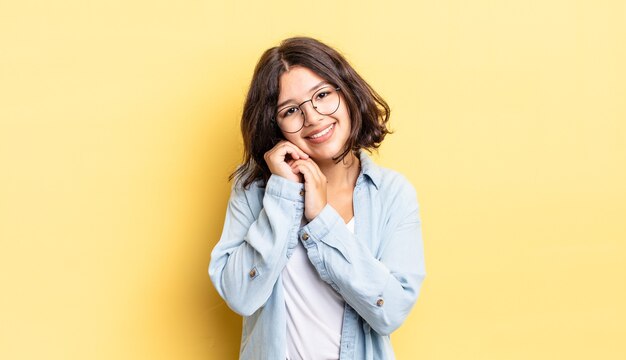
(378, 270)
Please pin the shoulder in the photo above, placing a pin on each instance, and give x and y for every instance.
(388, 182)
(251, 196)
(392, 181)
(394, 191)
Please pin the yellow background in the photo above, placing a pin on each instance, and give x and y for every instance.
(119, 126)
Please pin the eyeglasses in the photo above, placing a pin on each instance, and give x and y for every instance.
(325, 101)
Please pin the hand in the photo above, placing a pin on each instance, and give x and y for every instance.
(315, 197)
(281, 156)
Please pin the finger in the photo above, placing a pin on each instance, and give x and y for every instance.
(282, 150)
(319, 176)
(294, 167)
(297, 171)
(301, 168)
(315, 167)
(310, 172)
(281, 153)
(295, 151)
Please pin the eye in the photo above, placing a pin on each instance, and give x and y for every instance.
(288, 112)
(322, 95)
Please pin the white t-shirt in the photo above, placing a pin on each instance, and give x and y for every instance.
(314, 310)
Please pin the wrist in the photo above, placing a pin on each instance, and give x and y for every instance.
(310, 215)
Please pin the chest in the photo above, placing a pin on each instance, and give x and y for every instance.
(371, 213)
(342, 201)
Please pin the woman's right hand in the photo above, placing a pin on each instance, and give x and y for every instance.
(280, 158)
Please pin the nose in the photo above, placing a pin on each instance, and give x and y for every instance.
(309, 113)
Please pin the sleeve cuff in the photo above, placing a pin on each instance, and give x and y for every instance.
(324, 222)
(329, 228)
(285, 188)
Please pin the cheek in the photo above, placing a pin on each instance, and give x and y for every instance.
(344, 110)
(346, 120)
(292, 138)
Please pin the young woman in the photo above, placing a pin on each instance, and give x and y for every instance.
(321, 250)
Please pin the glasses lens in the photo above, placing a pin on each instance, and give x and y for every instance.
(290, 119)
(326, 100)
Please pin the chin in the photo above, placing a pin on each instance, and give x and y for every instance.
(325, 154)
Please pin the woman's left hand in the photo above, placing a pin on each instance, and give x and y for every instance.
(314, 186)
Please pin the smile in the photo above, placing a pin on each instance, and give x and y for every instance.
(322, 135)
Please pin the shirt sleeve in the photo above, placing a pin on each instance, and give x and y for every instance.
(381, 290)
(252, 250)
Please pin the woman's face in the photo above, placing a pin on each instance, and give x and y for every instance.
(323, 136)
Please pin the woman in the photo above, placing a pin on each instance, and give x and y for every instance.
(321, 250)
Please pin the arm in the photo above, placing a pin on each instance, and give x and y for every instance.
(252, 250)
(382, 290)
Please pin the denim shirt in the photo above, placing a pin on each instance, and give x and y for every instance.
(378, 270)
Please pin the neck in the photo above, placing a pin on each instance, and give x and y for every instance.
(341, 174)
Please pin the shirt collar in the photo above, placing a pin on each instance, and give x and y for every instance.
(370, 168)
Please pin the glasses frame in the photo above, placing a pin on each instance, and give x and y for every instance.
(337, 88)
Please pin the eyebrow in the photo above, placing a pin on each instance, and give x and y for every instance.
(313, 88)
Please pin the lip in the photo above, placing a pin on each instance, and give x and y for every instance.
(323, 138)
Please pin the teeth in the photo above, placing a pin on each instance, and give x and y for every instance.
(322, 133)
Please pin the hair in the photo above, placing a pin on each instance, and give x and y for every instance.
(369, 113)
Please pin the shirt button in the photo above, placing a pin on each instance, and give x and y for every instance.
(301, 192)
(380, 302)
(305, 236)
(252, 273)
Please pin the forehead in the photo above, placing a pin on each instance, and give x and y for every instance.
(298, 82)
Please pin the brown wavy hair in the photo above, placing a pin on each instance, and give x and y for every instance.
(369, 113)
